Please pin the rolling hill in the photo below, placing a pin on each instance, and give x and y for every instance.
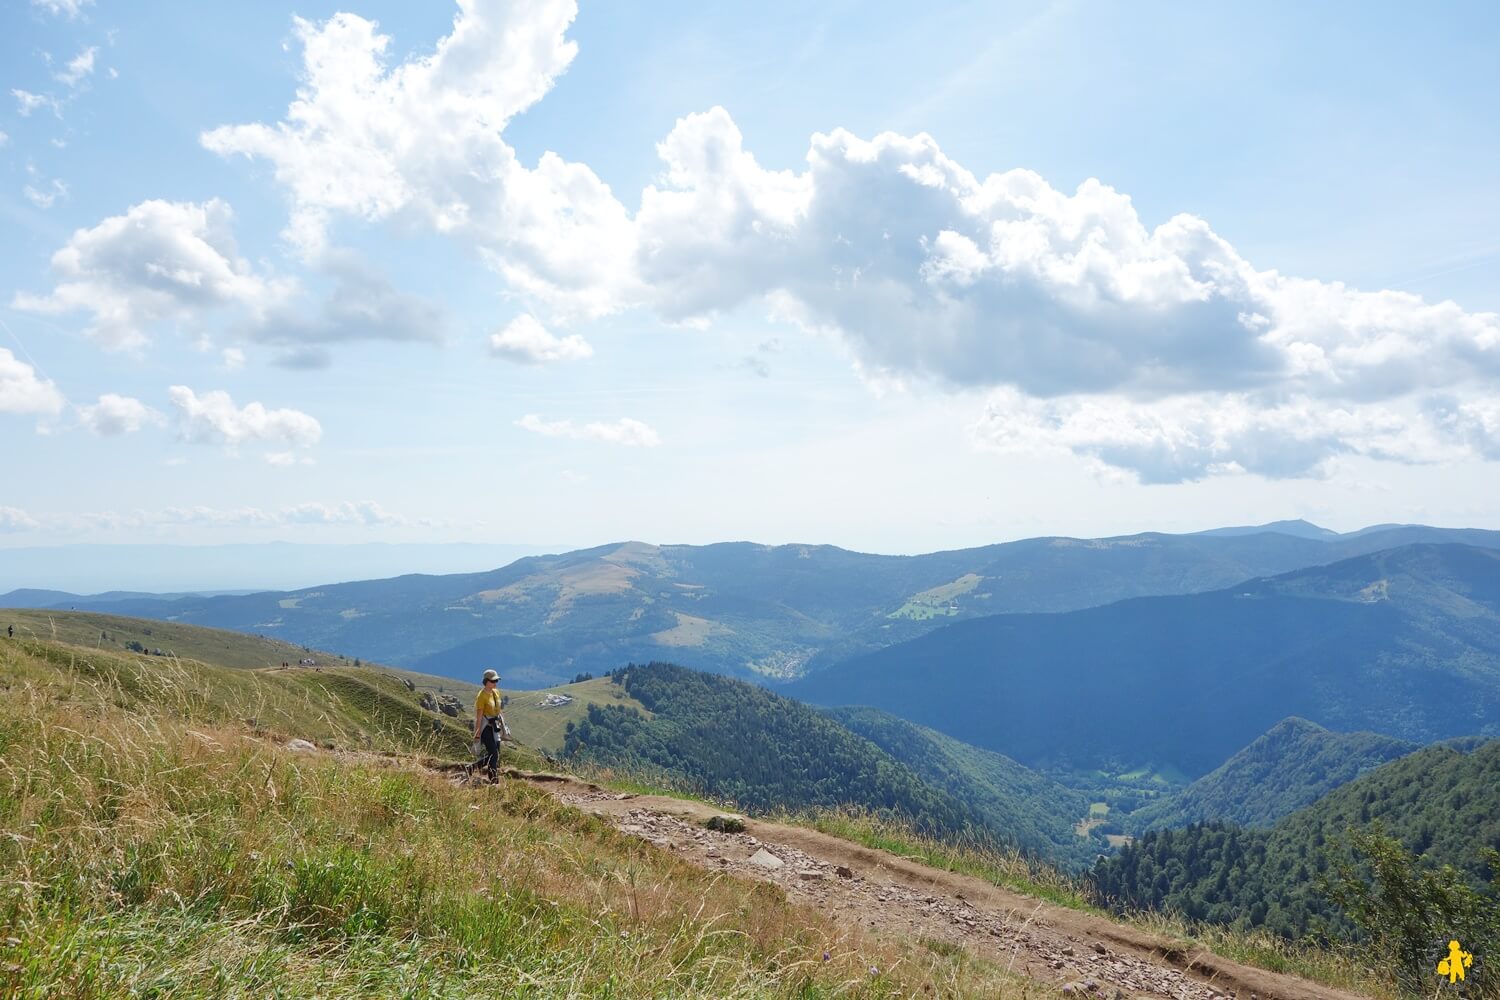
(1295, 763)
(1404, 642)
(770, 612)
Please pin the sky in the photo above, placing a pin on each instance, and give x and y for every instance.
(889, 276)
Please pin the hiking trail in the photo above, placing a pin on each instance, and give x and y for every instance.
(885, 894)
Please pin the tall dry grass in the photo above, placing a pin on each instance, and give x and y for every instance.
(154, 847)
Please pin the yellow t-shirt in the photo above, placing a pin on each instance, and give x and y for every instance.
(488, 702)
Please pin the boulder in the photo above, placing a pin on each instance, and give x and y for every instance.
(765, 859)
(428, 701)
(409, 685)
(300, 746)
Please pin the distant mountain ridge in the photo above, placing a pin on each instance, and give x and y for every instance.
(1404, 642)
(770, 612)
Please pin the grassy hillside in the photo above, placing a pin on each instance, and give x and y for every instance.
(740, 742)
(156, 845)
(1291, 766)
(111, 632)
(1021, 806)
(1440, 803)
(350, 708)
(1405, 643)
(545, 727)
(775, 612)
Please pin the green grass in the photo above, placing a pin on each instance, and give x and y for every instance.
(156, 845)
(188, 642)
(994, 864)
(544, 728)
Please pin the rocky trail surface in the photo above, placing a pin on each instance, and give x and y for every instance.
(1082, 954)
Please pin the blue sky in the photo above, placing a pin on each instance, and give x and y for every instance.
(890, 278)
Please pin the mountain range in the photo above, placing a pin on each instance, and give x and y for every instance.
(774, 613)
(1404, 642)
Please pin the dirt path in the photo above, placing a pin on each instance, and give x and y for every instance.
(1084, 954)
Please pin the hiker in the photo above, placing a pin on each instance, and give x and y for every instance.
(10, 631)
(487, 725)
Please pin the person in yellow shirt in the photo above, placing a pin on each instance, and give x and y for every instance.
(487, 725)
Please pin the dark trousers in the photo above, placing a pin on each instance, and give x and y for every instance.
(489, 737)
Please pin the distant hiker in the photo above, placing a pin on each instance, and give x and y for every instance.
(10, 631)
(487, 725)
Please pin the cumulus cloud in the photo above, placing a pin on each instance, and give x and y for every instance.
(114, 414)
(625, 431)
(525, 341)
(231, 359)
(213, 418)
(160, 261)
(362, 305)
(70, 8)
(1191, 437)
(1156, 349)
(15, 519)
(422, 142)
(23, 392)
(79, 68)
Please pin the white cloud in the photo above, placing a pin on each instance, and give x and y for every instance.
(27, 102)
(15, 519)
(1155, 349)
(160, 261)
(22, 392)
(213, 418)
(71, 8)
(525, 341)
(1192, 437)
(625, 431)
(45, 197)
(422, 142)
(115, 414)
(358, 513)
(366, 512)
(231, 359)
(79, 67)
(287, 458)
(4, 139)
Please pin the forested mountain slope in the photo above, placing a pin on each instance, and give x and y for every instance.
(1028, 809)
(1441, 803)
(1403, 642)
(1291, 766)
(740, 742)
